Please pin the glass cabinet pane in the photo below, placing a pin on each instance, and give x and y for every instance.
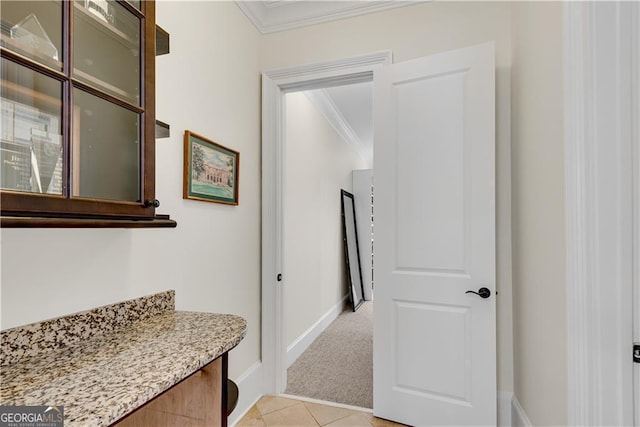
(34, 29)
(31, 131)
(106, 149)
(106, 48)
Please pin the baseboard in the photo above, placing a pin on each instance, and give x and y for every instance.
(304, 341)
(518, 416)
(504, 408)
(250, 386)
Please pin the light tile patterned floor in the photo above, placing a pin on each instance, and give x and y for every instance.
(279, 411)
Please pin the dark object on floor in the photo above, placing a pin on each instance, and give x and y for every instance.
(232, 396)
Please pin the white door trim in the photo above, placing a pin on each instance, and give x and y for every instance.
(635, 73)
(275, 84)
(599, 216)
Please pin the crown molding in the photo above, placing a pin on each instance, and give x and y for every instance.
(321, 99)
(274, 16)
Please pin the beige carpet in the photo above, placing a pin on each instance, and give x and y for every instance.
(338, 365)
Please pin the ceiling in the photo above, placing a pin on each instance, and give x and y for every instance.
(349, 109)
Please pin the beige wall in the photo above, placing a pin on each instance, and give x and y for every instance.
(538, 212)
(318, 164)
(209, 84)
(412, 32)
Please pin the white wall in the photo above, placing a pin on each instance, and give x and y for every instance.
(318, 164)
(538, 212)
(412, 32)
(209, 84)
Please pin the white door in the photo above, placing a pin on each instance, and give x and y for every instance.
(435, 344)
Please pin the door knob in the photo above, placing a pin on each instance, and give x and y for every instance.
(482, 292)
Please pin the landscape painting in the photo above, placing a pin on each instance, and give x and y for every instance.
(210, 170)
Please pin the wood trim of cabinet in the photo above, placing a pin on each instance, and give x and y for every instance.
(225, 390)
(159, 221)
(191, 402)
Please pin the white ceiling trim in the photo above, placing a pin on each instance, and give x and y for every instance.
(280, 15)
(321, 99)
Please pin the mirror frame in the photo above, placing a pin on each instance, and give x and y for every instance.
(350, 244)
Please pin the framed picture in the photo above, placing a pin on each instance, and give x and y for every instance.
(210, 171)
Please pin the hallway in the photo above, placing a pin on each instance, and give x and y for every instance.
(338, 365)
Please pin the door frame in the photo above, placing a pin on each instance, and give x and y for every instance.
(602, 47)
(275, 85)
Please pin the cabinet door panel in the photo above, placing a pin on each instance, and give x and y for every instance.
(104, 31)
(31, 147)
(106, 150)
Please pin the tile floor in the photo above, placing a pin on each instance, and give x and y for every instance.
(279, 411)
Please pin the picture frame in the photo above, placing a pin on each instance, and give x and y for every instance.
(211, 171)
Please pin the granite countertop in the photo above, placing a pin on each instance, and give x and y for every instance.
(103, 378)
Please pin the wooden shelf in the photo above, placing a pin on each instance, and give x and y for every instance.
(162, 129)
(162, 48)
(160, 221)
(162, 41)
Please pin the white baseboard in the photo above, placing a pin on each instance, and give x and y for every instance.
(518, 415)
(250, 386)
(304, 341)
(504, 408)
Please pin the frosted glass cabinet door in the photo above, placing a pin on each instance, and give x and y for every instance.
(106, 150)
(105, 30)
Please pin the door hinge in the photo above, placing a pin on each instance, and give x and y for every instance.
(636, 353)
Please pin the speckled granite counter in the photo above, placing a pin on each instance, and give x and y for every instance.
(102, 378)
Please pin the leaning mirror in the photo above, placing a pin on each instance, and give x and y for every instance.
(351, 251)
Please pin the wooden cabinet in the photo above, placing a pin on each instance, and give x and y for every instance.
(200, 400)
(78, 110)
